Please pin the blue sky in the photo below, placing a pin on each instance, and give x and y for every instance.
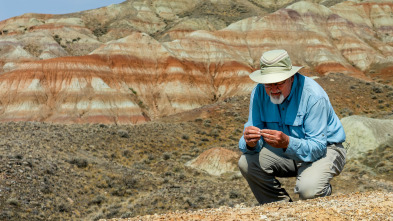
(11, 8)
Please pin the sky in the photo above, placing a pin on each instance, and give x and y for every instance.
(12, 8)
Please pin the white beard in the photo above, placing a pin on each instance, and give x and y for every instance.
(277, 100)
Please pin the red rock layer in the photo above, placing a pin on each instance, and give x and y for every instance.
(321, 38)
(73, 89)
(168, 82)
(127, 81)
(138, 78)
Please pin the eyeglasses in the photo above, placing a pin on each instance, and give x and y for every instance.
(278, 84)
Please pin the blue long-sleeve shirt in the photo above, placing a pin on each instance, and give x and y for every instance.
(306, 116)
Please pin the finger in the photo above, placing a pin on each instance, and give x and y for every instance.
(267, 131)
(269, 141)
(252, 128)
(252, 137)
(249, 136)
(267, 136)
(251, 131)
(253, 141)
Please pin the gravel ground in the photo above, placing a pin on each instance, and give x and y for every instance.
(356, 206)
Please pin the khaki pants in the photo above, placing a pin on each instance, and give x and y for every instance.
(312, 179)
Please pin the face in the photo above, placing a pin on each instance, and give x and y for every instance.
(280, 90)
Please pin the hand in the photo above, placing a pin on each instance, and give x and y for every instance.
(275, 138)
(251, 135)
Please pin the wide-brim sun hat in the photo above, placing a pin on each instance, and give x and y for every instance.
(276, 66)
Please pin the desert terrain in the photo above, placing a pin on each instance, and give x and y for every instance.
(102, 111)
(99, 171)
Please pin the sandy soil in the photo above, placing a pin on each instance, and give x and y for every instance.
(356, 206)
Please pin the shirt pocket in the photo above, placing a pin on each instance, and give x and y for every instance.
(298, 120)
(296, 128)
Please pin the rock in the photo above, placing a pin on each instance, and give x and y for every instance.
(123, 133)
(216, 161)
(364, 134)
(208, 51)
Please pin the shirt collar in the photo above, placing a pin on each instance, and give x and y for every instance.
(294, 83)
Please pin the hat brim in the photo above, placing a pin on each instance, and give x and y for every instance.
(271, 78)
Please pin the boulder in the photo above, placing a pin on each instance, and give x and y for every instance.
(364, 134)
(216, 161)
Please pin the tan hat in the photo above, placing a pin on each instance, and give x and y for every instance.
(276, 66)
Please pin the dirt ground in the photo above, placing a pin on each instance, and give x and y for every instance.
(97, 171)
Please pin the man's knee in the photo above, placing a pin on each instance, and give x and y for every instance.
(249, 165)
(243, 165)
(311, 190)
(306, 193)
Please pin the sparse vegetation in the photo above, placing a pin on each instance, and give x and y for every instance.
(106, 171)
(132, 90)
(57, 39)
(100, 31)
(96, 168)
(80, 163)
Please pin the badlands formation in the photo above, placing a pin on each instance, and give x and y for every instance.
(184, 66)
(141, 60)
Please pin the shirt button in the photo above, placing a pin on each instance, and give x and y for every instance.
(283, 108)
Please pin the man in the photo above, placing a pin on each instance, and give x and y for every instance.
(292, 130)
